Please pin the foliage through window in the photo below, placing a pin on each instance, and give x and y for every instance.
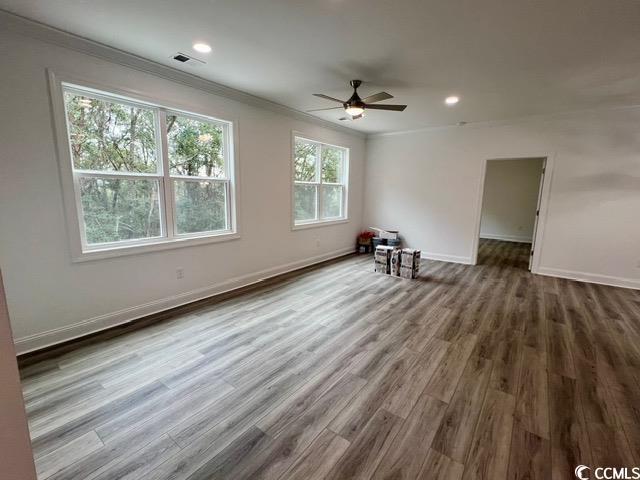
(145, 174)
(319, 182)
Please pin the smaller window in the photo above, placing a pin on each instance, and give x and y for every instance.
(319, 182)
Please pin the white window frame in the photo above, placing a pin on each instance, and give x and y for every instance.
(70, 177)
(319, 222)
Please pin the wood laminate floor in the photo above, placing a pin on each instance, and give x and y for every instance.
(468, 372)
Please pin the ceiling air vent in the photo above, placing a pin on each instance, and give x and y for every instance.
(182, 58)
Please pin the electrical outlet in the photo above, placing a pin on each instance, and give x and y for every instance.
(318, 243)
(179, 273)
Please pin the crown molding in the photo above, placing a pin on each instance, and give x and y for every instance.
(45, 33)
(566, 114)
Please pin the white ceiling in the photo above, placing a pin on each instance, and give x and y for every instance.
(504, 58)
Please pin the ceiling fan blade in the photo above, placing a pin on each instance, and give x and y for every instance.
(327, 97)
(378, 97)
(395, 108)
(321, 109)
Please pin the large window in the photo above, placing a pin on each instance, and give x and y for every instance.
(319, 182)
(144, 174)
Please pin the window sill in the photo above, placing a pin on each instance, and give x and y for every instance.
(112, 252)
(322, 223)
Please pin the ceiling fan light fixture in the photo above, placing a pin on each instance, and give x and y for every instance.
(354, 111)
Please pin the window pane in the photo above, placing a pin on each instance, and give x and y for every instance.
(119, 209)
(306, 198)
(331, 201)
(195, 147)
(304, 161)
(110, 136)
(332, 162)
(201, 206)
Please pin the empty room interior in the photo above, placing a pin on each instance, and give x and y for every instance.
(320, 240)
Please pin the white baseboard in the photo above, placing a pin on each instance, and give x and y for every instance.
(507, 238)
(446, 258)
(126, 315)
(590, 277)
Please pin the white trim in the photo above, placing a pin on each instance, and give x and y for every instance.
(79, 249)
(441, 257)
(590, 277)
(321, 223)
(543, 212)
(544, 201)
(54, 36)
(169, 203)
(38, 341)
(156, 244)
(507, 238)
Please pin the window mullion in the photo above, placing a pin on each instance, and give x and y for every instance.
(167, 183)
(319, 185)
(117, 174)
(227, 188)
(198, 179)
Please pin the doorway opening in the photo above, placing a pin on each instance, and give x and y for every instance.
(510, 211)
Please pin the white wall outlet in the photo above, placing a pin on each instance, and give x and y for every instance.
(179, 273)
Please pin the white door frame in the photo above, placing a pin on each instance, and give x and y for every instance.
(537, 219)
(544, 204)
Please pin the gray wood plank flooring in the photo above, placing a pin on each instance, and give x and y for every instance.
(474, 372)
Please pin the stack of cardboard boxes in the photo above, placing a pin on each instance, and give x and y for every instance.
(403, 263)
(392, 260)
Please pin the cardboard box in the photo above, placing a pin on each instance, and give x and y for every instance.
(406, 272)
(382, 259)
(409, 263)
(387, 234)
(380, 267)
(396, 256)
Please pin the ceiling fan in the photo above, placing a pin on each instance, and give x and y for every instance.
(355, 106)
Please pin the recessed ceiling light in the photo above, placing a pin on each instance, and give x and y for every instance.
(451, 100)
(201, 47)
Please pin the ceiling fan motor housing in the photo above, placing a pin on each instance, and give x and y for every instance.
(355, 100)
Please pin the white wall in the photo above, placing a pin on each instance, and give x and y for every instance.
(427, 184)
(52, 299)
(510, 199)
